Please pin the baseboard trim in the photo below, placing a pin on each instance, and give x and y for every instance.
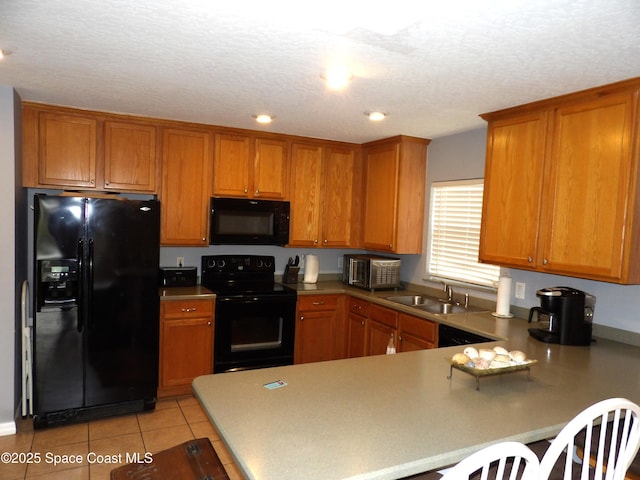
(7, 428)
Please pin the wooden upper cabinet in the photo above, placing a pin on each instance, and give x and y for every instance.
(73, 149)
(67, 150)
(340, 206)
(130, 159)
(322, 189)
(590, 190)
(513, 183)
(306, 195)
(271, 169)
(186, 161)
(561, 185)
(250, 167)
(394, 194)
(231, 165)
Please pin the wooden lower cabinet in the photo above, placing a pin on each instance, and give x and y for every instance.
(357, 318)
(371, 327)
(186, 344)
(319, 328)
(416, 333)
(382, 330)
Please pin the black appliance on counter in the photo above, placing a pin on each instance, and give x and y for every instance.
(255, 317)
(450, 336)
(565, 316)
(96, 307)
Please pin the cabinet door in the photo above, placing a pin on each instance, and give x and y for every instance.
(338, 198)
(67, 150)
(357, 332)
(271, 169)
(130, 160)
(231, 165)
(378, 337)
(512, 190)
(381, 169)
(186, 161)
(187, 350)
(415, 333)
(585, 218)
(306, 195)
(315, 336)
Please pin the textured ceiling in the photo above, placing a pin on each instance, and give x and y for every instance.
(221, 63)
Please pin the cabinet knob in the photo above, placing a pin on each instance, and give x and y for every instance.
(209, 324)
(93, 181)
(204, 239)
(362, 323)
(529, 259)
(301, 317)
(246, 190)
(189, 309)
(318, 303)
(257, 192)
(325, 241)
(545, 261)
(315, 242)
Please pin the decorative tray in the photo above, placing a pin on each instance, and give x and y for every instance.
(486, 372)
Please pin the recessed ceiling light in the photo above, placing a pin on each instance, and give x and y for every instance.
(337, 77)
(375, 116)
(264, 118)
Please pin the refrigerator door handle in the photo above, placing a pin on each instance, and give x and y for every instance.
(81, 299)
(90, 286)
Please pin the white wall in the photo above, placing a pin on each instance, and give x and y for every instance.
(462, 156)
(12, 262)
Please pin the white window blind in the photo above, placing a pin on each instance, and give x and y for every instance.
(456, 211)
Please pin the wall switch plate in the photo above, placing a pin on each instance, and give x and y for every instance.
(520, 289)
(180, 262)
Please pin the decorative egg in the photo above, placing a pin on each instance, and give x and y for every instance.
(501, 350)
(482, 363)
(487, 354)
(518, 356)
(460, 358)
(471, 352)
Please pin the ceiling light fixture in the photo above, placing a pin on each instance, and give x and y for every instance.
(264, 118)
(337, 77)
(375, 116)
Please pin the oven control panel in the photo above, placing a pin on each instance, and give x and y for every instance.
(238, 263)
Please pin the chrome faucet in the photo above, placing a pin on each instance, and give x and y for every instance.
(449, 291)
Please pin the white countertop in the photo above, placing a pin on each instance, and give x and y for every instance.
(391, 416)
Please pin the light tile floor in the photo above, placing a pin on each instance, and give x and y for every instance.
(174, 421)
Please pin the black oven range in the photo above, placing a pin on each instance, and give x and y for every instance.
(254, 317)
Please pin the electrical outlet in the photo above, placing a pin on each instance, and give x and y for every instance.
(520, 288)
(180, 262)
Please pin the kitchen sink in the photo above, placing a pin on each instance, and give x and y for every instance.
(413, 300)
(443, 307)
(430, 304)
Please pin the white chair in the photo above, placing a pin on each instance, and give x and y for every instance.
(608, 449)
(500, 459)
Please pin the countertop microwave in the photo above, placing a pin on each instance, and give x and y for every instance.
(246, 221)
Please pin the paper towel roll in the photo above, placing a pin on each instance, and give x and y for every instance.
(311, 269)
(504, 296)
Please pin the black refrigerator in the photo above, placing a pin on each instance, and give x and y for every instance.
(96, 307)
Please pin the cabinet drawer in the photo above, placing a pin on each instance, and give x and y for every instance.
(419, 327)
(383, 315)
(187, 308)
(317, 302)
(359, 307)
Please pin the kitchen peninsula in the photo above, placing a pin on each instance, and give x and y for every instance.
(392, 416)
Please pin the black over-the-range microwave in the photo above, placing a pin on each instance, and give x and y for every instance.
(242, 221)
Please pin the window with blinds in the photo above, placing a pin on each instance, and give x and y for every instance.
(454, 234)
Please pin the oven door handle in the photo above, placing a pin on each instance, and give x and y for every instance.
(239, 299)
